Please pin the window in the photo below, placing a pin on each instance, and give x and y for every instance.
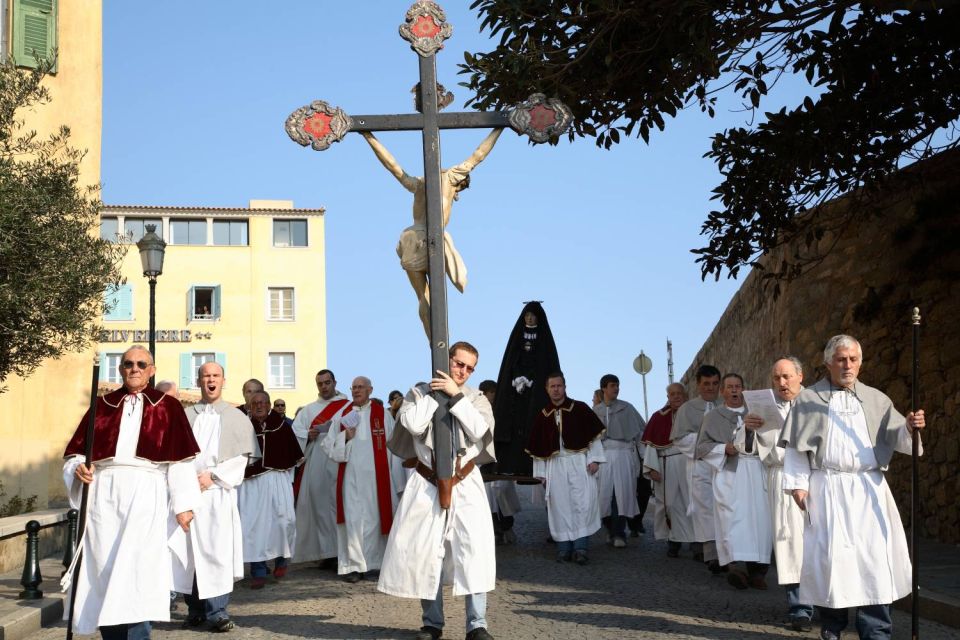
(289, 233)
(280, 371)
(203, 302)
(188, 232)
(230, 233)
(118, 303)
(134, 228)
(190, 363)
(109, 228)
(281, 303)
(34, 31)
(110, 367)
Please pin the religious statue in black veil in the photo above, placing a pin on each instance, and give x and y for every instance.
(530, 356)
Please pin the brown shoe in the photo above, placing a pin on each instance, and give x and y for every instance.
(758, 582)
(737, 580)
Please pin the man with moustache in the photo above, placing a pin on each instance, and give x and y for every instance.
(210, 558)
(316, 483)
(265, 499)
(434, 543)
(665, 465)
(743, 526)
(686, 426)
(141, 470)
(840, 436)
(567, 451)
(787, 383)
(367, 481)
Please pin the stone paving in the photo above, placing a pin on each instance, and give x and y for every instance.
(636, 592)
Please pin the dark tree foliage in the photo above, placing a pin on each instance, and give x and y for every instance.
(884, 82)
(54, 268)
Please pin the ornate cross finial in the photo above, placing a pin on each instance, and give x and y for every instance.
(318, 125)
(426, 27)
(540, 117)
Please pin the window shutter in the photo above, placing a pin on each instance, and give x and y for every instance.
(119, 302)
(34, 31)
(104, 366)
(216, 302)
(190, 300)
(186, 371)
(221, 359)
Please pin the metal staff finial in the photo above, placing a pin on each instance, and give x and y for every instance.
(916, 315)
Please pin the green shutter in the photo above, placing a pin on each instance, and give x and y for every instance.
(216, 302)
(119, 303)
(34, 31)
(103, 366)
(186, 373)
(190, 301)
(221, 359)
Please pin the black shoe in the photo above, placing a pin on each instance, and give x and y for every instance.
(428, 633)
(194, 620)
(800, 623)
(328, 564)
(222, 625)
(550, 540)
(673, 552)
(698, 557)
(715, 568)
(580, 557)
(563, 557)
(353, 577)
(737, 580)
(479, 634)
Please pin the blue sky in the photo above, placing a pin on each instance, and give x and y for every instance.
(195, 98)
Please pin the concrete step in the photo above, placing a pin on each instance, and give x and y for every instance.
(20, 618)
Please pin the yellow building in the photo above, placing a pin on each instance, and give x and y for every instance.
(41, 411)
(243, 287)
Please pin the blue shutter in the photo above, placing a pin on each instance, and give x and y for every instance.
(221, 359)
(216, 302)
(119, 303)
(190, 301)
(104, 365)
(34, 31)
(186, 371)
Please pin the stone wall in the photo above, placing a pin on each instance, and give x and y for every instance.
(879, 268)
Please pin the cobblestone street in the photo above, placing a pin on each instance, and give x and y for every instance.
(635, 592)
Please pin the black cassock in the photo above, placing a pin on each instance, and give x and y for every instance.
(531, 353)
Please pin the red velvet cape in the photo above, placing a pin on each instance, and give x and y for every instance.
(165, 433)
(278, 444)
(580, 426)
(378, 433)
(657, 433)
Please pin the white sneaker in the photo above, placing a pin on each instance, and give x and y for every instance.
(619, 543)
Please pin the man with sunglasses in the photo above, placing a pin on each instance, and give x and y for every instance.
(142, 462)
(424, 522)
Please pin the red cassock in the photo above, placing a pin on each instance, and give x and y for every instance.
(278, 444)
(165, 433)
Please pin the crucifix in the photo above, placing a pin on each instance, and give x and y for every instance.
(319, 125)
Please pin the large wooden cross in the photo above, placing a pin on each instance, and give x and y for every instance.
(319, 125)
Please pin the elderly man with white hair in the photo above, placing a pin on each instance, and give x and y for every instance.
(840, 436)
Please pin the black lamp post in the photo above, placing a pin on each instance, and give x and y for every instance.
(152, 248)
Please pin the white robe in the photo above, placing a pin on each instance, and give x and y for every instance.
(672, 466)
(572, 494)
(130, 506)
(267, 516)
(743, 522)
(503, 497)
(317, 502)
(618, 478)
(360, 543)
(700, 477)
(428, 544)
(854, 548)
(213, 550)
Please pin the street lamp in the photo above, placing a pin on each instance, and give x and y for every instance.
(152, 248)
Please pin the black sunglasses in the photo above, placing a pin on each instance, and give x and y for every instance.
(128, 364)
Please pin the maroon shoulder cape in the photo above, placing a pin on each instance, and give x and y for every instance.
(575, 420)
(657, 433)
(165, 433)
(278, 444)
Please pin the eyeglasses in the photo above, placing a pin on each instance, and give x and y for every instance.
(462, 365)
(128, 364)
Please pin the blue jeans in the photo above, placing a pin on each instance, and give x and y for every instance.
(873, 621)
(616, 524)
(260, 569)
(797, 610)
(133, 631)
(566, 547)
(476, 606)
(213, 609)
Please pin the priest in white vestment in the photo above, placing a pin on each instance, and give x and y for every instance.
(686, 426)
(210, 558)
(141, 474)
(618, 477)
(265, 499)
(565, 443)
(840, 436)
(787, 381)
(315, 490)
(666, 467)
(430, 546)
(741, 509)
(368, 481)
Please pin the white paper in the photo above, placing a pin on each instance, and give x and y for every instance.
(763, 403)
